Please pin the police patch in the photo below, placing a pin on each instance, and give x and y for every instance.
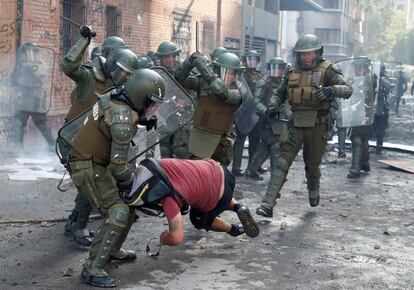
(95, 111)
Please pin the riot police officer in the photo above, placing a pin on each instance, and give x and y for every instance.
(272, 123)
(313, 85)
(30, 79)
(91, 79)
(219, 96)
(99, 167)
(217, 52)
(251, 75)
(360, 134)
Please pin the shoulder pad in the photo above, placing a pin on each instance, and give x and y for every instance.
(335, 67)
(98, 68)
(105, 101)
(121, 114)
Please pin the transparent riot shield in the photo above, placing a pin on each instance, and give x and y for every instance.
(359, 109)
(177, 110)
(393, 71)
(246, 117)
(32, 79)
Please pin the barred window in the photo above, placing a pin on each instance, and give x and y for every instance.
(74, 14)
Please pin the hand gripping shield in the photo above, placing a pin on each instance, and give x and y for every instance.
(246, 117)
(359, 109)
(33, 79)
(177, 110)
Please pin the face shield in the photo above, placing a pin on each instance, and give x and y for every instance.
(120, 74)
(252, 61)
(228, 75)
(169, 62)
(277, 70)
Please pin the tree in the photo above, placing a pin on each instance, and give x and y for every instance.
(385, 27)
(403, 51)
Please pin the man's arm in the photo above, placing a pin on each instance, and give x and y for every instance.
(175, 234)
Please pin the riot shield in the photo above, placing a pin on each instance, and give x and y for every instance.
(246, 117)
(393, 74)
(359, 109)
(32, 79)
(177, 110)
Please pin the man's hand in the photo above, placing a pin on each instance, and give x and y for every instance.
(163, 237)
(324, 94)
(272, 114)
(85, 31)
(196, 56)
(151, 123)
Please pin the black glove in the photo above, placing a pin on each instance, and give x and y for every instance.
(151, 123)
(194, 56)
(272, 114)
(85, 31)
(324, 94)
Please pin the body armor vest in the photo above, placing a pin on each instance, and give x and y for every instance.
(81, 105)
(302, 85)
(213, 115)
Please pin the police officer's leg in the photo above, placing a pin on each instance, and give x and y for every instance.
(356, 140)
(315, 140)
(280, 167)
(260, 155)
(20, 120)
(238, 148)
(102, 191)
(254, 138)
(380, 131)
(40, 120)
(224, 150)
(81, 212)
(365, 153)
(341, 142)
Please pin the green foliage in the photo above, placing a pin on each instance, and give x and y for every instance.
(385, 27)
(403, 50)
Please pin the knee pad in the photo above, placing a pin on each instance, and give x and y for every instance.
(118, 215)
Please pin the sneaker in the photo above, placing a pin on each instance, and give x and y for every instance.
(262, 170)
(341, 154)
(264, 211)
(236, 230)
(103, 280)
(249, 224)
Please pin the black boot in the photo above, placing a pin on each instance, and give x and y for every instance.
(264, 211)
(366, 167)
(103, 280)
(253, 175)
(314, 201)
(262, 170)
(237, 172)
(352, 175)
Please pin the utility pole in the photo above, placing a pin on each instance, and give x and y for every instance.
(252, 16)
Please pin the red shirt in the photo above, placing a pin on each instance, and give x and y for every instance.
(198, 181)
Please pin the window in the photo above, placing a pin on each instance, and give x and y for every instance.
(182, 32)
(232, 45)
(113, 21)
(331, 4)
(74, 12)
(328, 35)
(208, 36)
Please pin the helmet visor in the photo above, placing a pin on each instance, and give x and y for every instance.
(152, 109)
(277, 70)
(228, 75)
(252, 61)
(119, 76)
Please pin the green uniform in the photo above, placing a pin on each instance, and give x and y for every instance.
(30, 100)
(251, 76)
(360, 136)
(381, 112)
(308, 126)
(90, 81)
(271, 130)
(98, 167)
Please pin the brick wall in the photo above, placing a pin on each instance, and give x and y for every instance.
(145, 23)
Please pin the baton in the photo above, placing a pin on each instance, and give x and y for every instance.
(93, 34)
